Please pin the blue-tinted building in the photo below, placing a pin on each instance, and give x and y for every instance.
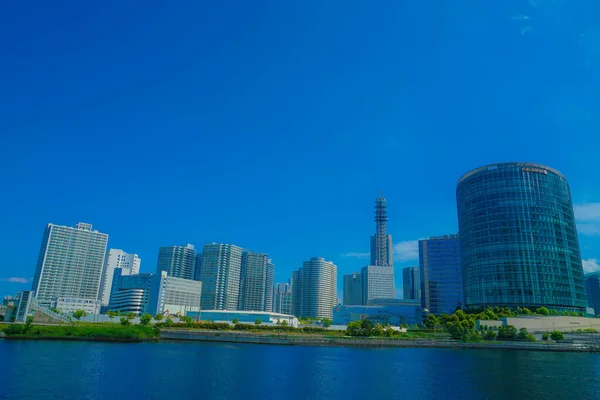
(441, 274)
(518, 238)
(411, 283)
(353, 289)
(592, 291)
(394, 312)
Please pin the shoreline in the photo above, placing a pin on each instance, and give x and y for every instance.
(307, 340)
(287, 339)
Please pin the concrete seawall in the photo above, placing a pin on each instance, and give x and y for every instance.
(308, 340)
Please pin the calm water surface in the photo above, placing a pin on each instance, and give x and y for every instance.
(188, 370)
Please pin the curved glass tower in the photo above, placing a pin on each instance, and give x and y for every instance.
(519, 243)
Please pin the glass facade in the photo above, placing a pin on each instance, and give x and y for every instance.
(441, 274)
(353, 291)
(256, 282)
(411, 283)
(592, 291)
(518, 238)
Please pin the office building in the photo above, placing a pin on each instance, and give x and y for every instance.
(154, 294)
(592, 291)
(381, 242)
(177, 261)
(70, 263)
(256, 282)
(198, 266)
(220, 272)
(282, 298)
(296, 292)
(316, 283)
(441, 274)
(411, 283)
(116, 258)
(353, 290)
(518, 238)
(130, 293)
(377, 283)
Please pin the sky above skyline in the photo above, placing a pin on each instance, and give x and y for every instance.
(274, 126)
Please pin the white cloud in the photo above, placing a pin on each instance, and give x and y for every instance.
(354, 254)
(590, 265)
(587, 212)
(406, 251)
(588, 229)
(588, 218)
(15, 279)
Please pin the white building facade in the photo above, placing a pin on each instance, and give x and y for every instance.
(70, 263)
(316, 285)
(116, 258)
(220, 270)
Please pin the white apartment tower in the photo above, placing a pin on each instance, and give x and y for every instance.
(70, 263)
(315, 284)
(219, 272)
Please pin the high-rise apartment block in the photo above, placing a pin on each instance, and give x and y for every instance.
(282, 298)
(411, 283)
(70, 263)
(256, 282)
(377, 283)
(220, 271)
(353, 289)
(316, 285)
(177, 261)
(441, 274)
(115, 258)
(518, 238)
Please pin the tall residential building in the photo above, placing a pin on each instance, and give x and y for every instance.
(377, 283)
(220, 272)
(70, 263)
(381, 242)
(353, 290)
(441, 274)
(198, 266)
(518, 238)
(116, 258)
(296, 293)
(256, 282)
(316, 282)
(282, 298)
(592, 291)
(177, 261)
(411, 283)
(154, 294)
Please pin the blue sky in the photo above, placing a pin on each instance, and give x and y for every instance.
(274, 126)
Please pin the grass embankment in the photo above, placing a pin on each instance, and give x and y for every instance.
(102, 332)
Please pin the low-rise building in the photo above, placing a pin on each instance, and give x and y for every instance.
(387, 311)
(249, 317)
(538, 323)
(68, 305)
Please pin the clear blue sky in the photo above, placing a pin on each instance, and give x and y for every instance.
(274, 126)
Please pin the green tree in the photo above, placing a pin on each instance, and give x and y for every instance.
(28, 324)
(507, 332)
(145, 319)
(131, 315)
(489, 335)
(326, 322)
(523, 333)
(188, 321)
(79, 313)
(557, 335)
(111, 314)
(158, 317)
(363, 327)
(235, 321)
(546, 336)
(542, 311)
(378, 330)
(258, 321)
(431, 321)
(125, 321)
(168, 322)
(284, 323)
